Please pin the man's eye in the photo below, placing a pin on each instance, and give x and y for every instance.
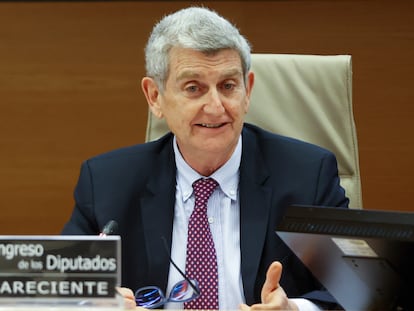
(192, 88)
(228, 86)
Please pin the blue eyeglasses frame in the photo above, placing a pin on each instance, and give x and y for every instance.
(152, 297)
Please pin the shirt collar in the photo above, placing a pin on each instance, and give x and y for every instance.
(227, 176)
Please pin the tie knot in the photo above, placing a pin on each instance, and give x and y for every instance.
(203, 188)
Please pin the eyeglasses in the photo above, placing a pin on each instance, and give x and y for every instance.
(152, 297)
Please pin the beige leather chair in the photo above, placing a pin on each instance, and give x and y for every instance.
(307, 97)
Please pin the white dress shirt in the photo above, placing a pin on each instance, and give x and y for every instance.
(223, 211)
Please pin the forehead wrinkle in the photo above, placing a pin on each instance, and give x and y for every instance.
(193, 74)
(188, 74)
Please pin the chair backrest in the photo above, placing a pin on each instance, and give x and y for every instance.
(308, 97)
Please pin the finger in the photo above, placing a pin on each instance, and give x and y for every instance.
(125, 292)
(244, 307)
(272, 280)
(129, 298)
(266, 307)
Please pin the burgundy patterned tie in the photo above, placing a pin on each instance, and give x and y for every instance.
(201, 262)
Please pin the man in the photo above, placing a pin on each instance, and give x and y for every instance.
(198, 79)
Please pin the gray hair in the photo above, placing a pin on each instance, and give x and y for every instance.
(194, 28)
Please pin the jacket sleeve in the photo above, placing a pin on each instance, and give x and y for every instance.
(82, 220)
(329, 191)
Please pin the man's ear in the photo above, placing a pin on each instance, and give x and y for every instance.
(152, 94)
(249, 88)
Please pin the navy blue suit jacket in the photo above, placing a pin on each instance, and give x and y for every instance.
(136, 187)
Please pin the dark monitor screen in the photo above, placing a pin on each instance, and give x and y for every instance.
(364, 258)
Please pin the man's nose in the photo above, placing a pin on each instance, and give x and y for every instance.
(214, 103)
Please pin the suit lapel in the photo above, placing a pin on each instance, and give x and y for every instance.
(157, 207)
(255, 198)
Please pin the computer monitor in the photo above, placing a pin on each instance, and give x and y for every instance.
(364, 258)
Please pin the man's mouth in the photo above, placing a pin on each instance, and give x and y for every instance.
(211, 125)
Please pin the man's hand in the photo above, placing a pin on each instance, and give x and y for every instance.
(273, 296)
(129, 299)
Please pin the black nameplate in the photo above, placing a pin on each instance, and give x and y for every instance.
(59, 266)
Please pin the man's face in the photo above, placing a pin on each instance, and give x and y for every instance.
(205, 100)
